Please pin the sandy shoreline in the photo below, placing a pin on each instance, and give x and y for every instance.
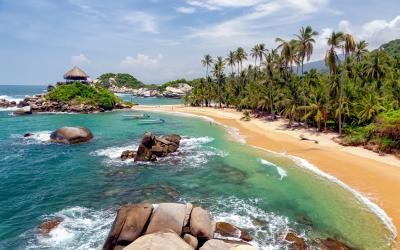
(376, 177)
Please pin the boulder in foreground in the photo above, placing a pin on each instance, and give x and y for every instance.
(128, 226)
(71, 135)
(202, 225)
(215, 244)
(162, 240)
(229, 230)
(47, 226)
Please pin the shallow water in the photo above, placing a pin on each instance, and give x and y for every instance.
(265, 193)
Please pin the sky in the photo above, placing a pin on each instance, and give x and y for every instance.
(161, 40)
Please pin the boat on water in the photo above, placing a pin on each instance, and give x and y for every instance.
(156, 121)
(138, 116)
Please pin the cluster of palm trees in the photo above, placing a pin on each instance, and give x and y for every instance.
(355, 88)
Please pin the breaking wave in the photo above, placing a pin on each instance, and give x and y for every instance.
(282, 173)
(81, 228)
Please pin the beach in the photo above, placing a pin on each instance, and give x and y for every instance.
(376, 177)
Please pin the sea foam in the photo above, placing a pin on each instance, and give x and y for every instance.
(282, 173)
(81, 228)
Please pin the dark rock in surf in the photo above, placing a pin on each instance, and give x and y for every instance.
(228, 230)
(296, 242)
(28, 134)
(128, 154)
(47, 226)
(27, 110)
(129, 224)
(332, 244)
(71, 135)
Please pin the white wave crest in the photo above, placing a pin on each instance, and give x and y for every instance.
(39, 137)
(81, 228)
(282, 173)
(267, 228)
(10, 98)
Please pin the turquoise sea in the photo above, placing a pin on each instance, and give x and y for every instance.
(265, 193)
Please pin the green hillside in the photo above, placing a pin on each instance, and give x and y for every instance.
(121, 79)
(392, 47)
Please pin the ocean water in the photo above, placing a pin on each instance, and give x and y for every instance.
(265, 193)
(149, 100)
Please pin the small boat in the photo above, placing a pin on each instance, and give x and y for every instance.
(158, 121)
(140, 116)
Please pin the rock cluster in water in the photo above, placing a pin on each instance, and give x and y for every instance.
(169, 92)
(152, 147)
(38, 103)
(172, 226)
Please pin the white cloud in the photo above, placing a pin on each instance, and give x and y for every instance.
(375, 32)
(141, 60)
(217, 4)
(142, 21)
(80, 60)
(186, 10)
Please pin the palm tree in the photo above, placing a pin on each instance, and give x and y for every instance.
(287, 53)
(207, 62)
(218, 72)
(331, 57)
(305, 48)
(261, 52)
(361, 50)
(369, 107)
(241, 56)
(254, 53)
(231, 60)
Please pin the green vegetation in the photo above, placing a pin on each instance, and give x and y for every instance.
(121, 79)
(392, 47)
(81, 93)
(359, 95)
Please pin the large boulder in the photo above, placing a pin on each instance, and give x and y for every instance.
(128, 154)
(169, 216)
(228, 230)
(152, 147)
(26, 110)
(71, 135)
(191, 240)
(202, 225)
(162, 240)
(215, 244)
(129, 225)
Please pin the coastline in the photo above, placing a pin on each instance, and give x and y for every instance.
(376, 177)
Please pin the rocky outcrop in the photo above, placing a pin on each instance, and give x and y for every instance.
(167, 226)
(228, 230)
(202, 225)
(71, 135)
(170, 92)
(162, 240)
(38, 103)
(129, 225)
(215, 244)
(169, 216)
(47, 226)
(7, 104)
(152, 147)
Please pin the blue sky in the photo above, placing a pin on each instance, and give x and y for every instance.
(160, 40)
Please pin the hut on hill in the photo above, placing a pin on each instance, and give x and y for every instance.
(76, 74)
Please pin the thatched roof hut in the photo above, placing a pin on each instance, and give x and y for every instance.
(76, 74)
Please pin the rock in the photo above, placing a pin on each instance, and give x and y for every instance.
(28, 134)
(229, 230)
(144, 154)
(47, 226)
(169, 216)
(128, 225)
(162, 240)
(128, 154)
(215, 244)
(296, 242)
(202, 225)
(177, 92)
(50, 88)
(191, 240)
(71, 135)
(27, 110)
(332, 244)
